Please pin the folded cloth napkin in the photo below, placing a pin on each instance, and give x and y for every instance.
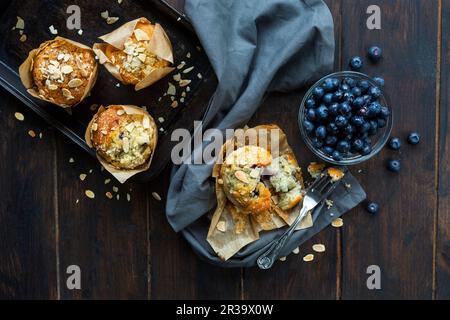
(254, 47)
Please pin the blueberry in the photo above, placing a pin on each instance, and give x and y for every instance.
(357, 120)
(362, 112)
(328, 150)
(328, 98)
(341, 121)
(343, 146)
(372, 207)
(379, 81)
(356, 63)
(321, 132)
(332, 128)
(381, 123)
(357, 144)
(311, 115)
(367, 98)
(336, 82)
(366, 150)
(337, 155)
(329, 84)
(348, 96)
(358, 102)
(367, 141)
(350, 82)
(338, 95)
(345, 87)
(345, 108)
(395, 143)
(364, 85)
(317, 143)
(349, 129)
(385, 113)
(308, 125)
(375, 92)
(365, 127)
(356, 91)
(331, 141)
(333, 109)
(414, 138)
(318, 92)
(394, 165)
(310, 103)
(322, 112)
(375, 53)
(373, 109)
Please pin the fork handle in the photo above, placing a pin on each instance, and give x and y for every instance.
(267, 259)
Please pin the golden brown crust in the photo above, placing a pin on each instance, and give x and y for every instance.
(123, 140)
(62, 71)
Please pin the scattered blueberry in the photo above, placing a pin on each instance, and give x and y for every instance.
(358, 102)
(348, 96)
(345, 108)
(394, 166)
(381, 123)
(350, 82)
(345, 87)
(337, 155)
(331, 141)
(357, 121)
(379, 81)
(414, 138)
(330, 84)
(321, 132)
(310, 103)
(341, 121)
(308, 125)
(372, 207)
(322, 112)
(385, 113)
(328, 98)
(317, 143)
(373, 109)
(318, 92)
(328, 150)
(338, 95)
(375, 53)
(375, 92)
(333, 109)
(364, 85)
(356, 63)
(366, 150)
(332, 128)
(358, 144)
(356, 91)
(343, 146)
(395, 143)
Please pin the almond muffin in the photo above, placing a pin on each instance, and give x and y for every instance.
(62, 72)
(124, 140)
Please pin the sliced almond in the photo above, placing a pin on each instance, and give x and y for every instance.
(142, 57)
(115, 189)
(120, 112)
(184, 82)
(254, 173)
(128, 197)
(129, 127)
(171, 90)
(187, 70)
(177, 77)
(111, 20)
(60, 56)
(52, 87)
(74, 83)
(23, 38)
(308, 257)
(90, 194)
(71, 160)
(126, 145)
(156, 196)
(221, 226)
(94, 127)
(53, 30)
(174, 104)
(20, 24)
(318, 248)
(104, 14)
(141, 35)
(107, 180)
(181, 65)
(66, 69)
(146, 122)
(31, 133)
(83, 176)
(241, 176)
(199, 75)
(296, 250)
(67, 94)
(19, 116)
(337, 223)
(109, 195)
(282, 259)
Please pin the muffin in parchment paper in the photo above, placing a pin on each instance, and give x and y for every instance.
(60, 71)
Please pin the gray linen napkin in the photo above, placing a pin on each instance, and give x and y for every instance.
(255, 47)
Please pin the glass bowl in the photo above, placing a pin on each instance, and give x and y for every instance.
(378, 141)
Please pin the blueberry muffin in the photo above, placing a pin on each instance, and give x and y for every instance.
(63, 72)
(125, 140)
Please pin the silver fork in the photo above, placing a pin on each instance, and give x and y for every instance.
(317, 192)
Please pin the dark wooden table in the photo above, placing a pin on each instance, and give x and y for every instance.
(126, 249)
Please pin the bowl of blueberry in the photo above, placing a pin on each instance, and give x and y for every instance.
(345, 118)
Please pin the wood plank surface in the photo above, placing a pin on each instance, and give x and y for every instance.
(27, 208)
(400, 238)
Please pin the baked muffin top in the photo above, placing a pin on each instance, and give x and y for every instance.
(61, 72)
(136, 61)
(125, 141)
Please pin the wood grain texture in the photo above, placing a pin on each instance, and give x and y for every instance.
(443, 222)
(27, 208)
(106, 238)
(400, 238)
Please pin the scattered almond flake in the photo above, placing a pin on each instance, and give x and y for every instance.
(171, 90)
(141, 35)
(188, 89)
(159, 99)
(118, 196)
(94, 126)
(76, 201)
(19, 116)
(360, 171)
(329, 203)
(23, 38)
(107, 180)
(174, 104)
(119, 1)
(318, 248)
(156, 196)
(161, 119)
(93, 107)
(104, 14)
(283, 259)
(183, 94)
(21, 32)
(296, 250)
(348, 185)
(91, 170)
(337, 223)
(74, 83)
(178, 19)
(172, 98)
(177, 77)
(120, 112)
(128, 197)
(115, 189)
(199, 75)
(222, 226)
(71, 160)
(60, 56)
(184, 82)
(31, 133)
(66, 69)
(161, 129)
(20, 24)
(53, 30)
(111, 20)
(181, 65)
(101, 168)
(308, 257)
(40, 135)
(182, 100)
(188, 55)
(90, 194)
(83, 176)
(80, 32)
(187, 70)
(241, 176)
(109, 195)
(118, 85)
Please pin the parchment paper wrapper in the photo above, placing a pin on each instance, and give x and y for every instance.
(226, 242)
(159, 44)
(26, 76)
(124, 175)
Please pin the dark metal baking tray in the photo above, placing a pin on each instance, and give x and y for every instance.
(40, 15)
